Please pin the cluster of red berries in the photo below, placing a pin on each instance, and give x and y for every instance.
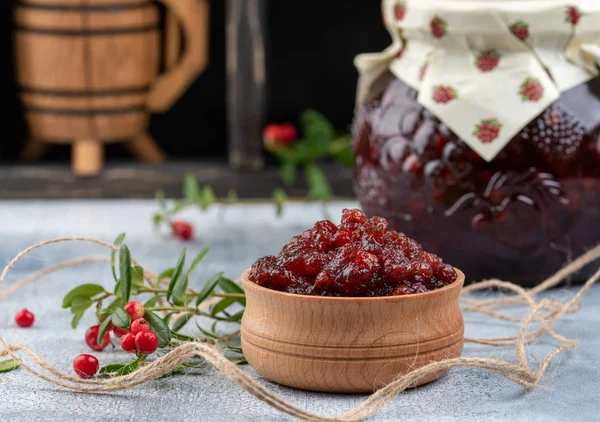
(487, 130)
(520, 29)
(438, 27)
(443, 94)
(360, 257)
(488, 60)
(279, 134)
(573, 15)
(182, 230)
(138, 338)
(531, 90)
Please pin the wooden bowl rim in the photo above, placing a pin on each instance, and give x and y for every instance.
(457, 284)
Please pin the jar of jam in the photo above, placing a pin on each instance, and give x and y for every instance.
(477, 132)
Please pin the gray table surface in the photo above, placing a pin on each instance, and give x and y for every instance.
(237, 237)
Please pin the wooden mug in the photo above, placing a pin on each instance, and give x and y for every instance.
(349, 344)
(89, 71)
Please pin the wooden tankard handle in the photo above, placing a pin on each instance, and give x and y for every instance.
(193, 16)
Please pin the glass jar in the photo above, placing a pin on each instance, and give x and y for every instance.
(518, 216)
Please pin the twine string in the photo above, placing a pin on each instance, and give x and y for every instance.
(544, 313)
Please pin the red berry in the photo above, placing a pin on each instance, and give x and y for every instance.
(128, 342)
(134, 309)
(182, 229)
(24, 318)
(276, 134)
(139, 325)
(85, 366)
(399, 11)
(91, 338)
(146, 342)
(119, 332)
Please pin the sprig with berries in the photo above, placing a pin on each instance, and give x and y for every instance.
(320, 141)
(146, 313)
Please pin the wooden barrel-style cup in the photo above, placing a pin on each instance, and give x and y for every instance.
(349, 345)
(88, 70)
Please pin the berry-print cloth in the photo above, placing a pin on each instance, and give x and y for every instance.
(487, 68)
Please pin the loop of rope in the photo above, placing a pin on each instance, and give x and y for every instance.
(545, 313)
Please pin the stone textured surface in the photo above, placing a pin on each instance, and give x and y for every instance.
(237, 237)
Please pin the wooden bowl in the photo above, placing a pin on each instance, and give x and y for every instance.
(349, 345)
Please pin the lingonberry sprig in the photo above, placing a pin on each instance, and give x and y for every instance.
(163, 307)
(319, 141)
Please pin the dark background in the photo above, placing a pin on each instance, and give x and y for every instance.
(310, 48)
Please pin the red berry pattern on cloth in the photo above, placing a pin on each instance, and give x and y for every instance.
(438, 27)
(531, 90)
(572, 15)
(487, 130)
(487, 60)
(520, 29)
(400, 10)
(443, 94)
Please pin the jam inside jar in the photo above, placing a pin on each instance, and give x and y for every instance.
(520, 217)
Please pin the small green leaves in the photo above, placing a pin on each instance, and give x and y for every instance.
(8, 365)
(207, 197)
(318, 131)
(319, 187)
(125, 272)
(84, 291)
(288, 172)
(80, 304)
(120, 318)
(208, 288)
(117, 369)
(279, 198)
(117, 242)
(128, 369)
(159, 327)
(191, 188)
(179, 289)
(180, 323)
(110, 369)
(177, 272)
(103, 328)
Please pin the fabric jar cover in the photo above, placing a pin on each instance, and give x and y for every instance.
(486, 68)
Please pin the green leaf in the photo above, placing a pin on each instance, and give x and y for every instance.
(208, 288)
(207, 333)
(80, 304)
(237, 316)
(168, 273)
(229, 286)
(8, 365)
(318, 132)
(288, 172)
(179, 289)
(103, 328)
(341, 151)
(167, 318)
(222, 305)
(117, 242)
(197, 260)
(125, 272)
(176, 272)
(137, 279)
(160, 199)
(128, 369)
(180, 323)
(159, 328)
(191, 188)
(318, 185)
(156, 220)
(120, 318)
(151, 302)
(84, 290)
(75, 320)
(279, 198)
(208, 197)
(232, 196)
(182, 337)
(109, 369)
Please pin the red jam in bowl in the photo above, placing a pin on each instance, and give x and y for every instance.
(520, 217)
(360, 257)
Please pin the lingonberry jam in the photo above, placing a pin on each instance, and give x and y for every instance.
(520, 217)
(360, 257)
